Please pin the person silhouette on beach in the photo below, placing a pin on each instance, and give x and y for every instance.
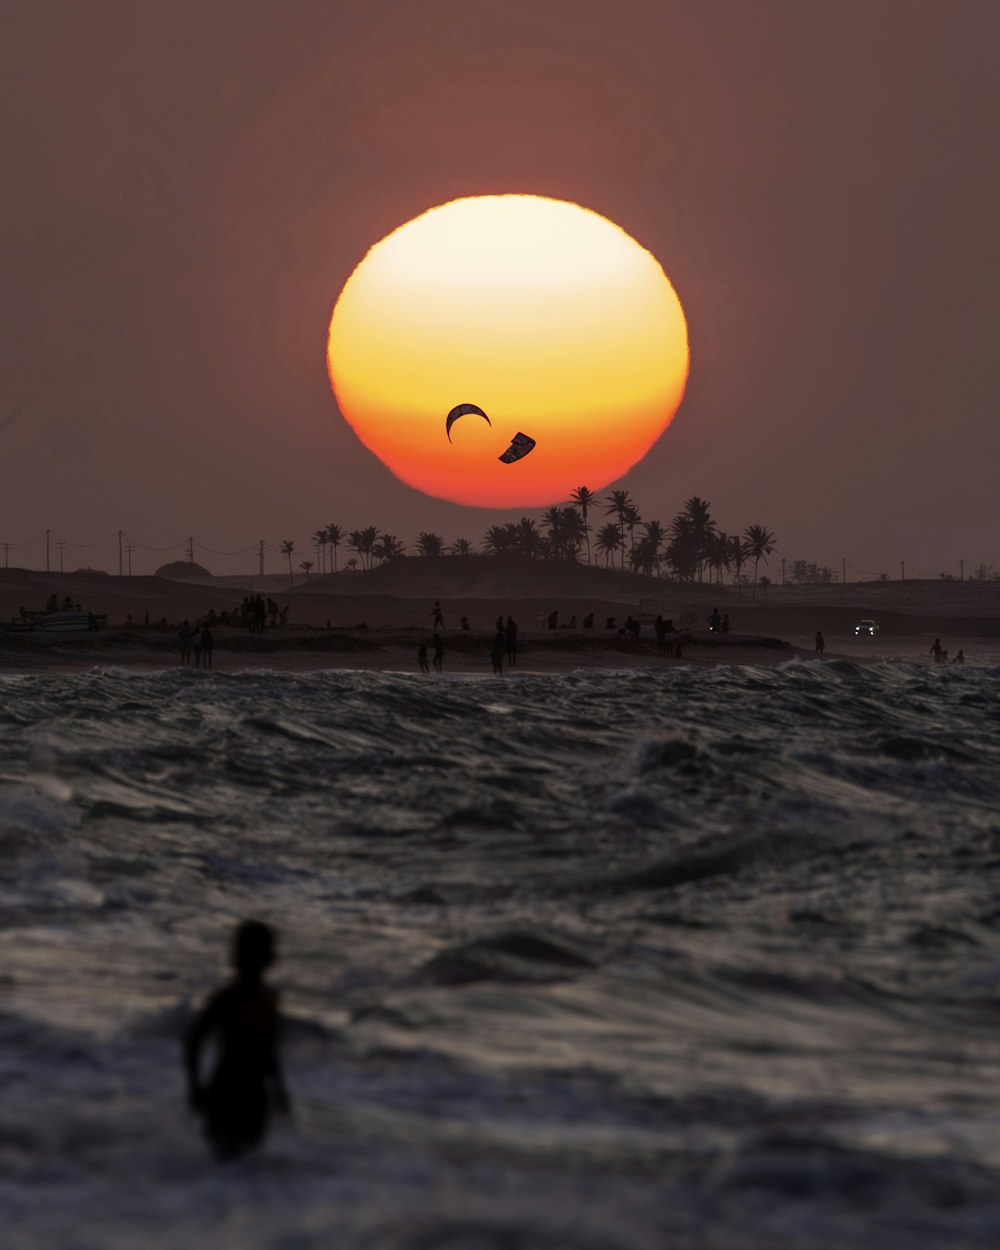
(438, 622)
(510, 640)
(714, 621)
(936, 651)
(243, 1018)
(820, 642)
(207, 644)
(725, 623)
(422, 657)
(959, 657)
(438, 653)
(499, 645)
(185, 636)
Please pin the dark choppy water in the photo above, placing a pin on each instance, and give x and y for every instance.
(698, 958)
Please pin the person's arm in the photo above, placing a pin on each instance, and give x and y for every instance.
(198, 1032)
(277, 1076)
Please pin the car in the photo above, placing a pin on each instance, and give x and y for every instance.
(865, 629)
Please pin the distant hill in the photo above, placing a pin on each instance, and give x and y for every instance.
(182, 571)
(488, 577)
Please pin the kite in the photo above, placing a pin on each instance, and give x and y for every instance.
(462, 410)
(519, 447)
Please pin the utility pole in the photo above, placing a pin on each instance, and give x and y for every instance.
(961, 570)
(902, 570)
(61, 544)
(119, 553)
(782, 570)
(128, 551)
(46, 551)
(190, 551)
(843, 571)
(6, 554)
(260, 557)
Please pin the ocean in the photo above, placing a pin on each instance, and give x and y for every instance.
(696, 957)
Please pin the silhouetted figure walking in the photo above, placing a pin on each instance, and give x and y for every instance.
(438, 653)
(207, 645)
(820, 642)
(438, 622)
(959, 657)
(247, 1081)
(422, 658)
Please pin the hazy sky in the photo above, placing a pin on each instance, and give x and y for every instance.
(187, 186)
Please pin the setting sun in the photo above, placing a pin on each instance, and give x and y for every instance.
(548, 317)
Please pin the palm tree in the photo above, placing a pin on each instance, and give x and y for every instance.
(648, 556)
(496, 540)
(584, 498)
(552, 520)
(632, 519)
(619, 502)
(334, 536)
(759, 545)
(609, 540)
(306, 567)
(737, 559)
(683, 549)
(573, 533)
(319, 542)
(718, 554)
(460, 547)
(429, 544)
(388, 547)
(698, 514)
(286, 549)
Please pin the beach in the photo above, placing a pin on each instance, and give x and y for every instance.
(376, 621)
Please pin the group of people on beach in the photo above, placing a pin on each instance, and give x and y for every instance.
(504, 642)
(196, 644)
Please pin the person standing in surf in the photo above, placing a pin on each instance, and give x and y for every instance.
(243, 1018)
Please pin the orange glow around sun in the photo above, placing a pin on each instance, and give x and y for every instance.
(547, 316)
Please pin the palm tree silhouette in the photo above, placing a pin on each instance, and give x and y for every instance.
(319, 542)
(429, 544)
(460, 547)
(698, 514)
(737, 559)
(759, 545)
(306, 567)
(334, 536)
(609, 540)
(584, 498)
(286, 549)
(619, 503)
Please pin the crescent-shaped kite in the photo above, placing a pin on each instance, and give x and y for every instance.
(461, 410)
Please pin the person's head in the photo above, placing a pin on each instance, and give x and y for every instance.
(253, 948)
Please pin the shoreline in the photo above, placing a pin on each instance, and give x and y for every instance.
(467, 654)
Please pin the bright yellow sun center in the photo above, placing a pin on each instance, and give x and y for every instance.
(547, 316)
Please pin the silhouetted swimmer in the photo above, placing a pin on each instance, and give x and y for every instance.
(438, 622)
(464, 623)
(438, 653)
(422, 657)
(247, 1081)
(959, 657)
(936, 651)
(820, 642)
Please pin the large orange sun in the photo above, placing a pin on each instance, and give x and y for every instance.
(548, 317)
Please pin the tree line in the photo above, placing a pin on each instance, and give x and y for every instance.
(690, 548)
